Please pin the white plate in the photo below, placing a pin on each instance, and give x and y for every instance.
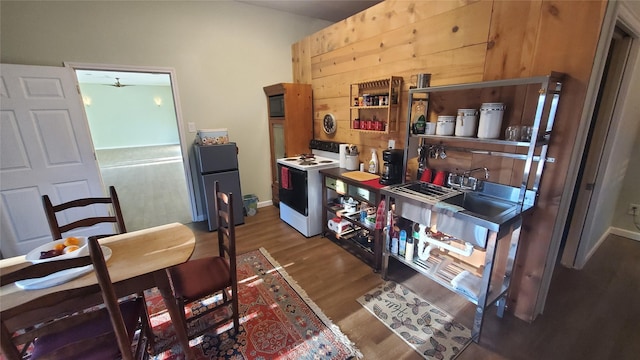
(34, 255)
(62, 276)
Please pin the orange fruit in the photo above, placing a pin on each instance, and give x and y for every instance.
(71, 248)
(71, 241)
(58, 247)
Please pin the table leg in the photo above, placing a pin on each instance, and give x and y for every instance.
(162, 282)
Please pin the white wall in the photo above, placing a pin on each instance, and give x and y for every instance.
(617, 168)
(223, 53)
(630, 192)
(129, 117)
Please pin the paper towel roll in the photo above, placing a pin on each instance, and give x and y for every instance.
(343, 155)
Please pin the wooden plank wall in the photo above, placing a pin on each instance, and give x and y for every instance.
(463, 41)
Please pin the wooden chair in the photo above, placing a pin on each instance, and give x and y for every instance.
(123, 331)
(57, 230)
(51, 212)
(205, 277)
(51, 327)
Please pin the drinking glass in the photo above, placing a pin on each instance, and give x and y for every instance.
(525, 133)
(512, 133)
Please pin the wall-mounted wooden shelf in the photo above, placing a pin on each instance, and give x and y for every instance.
(378, 105)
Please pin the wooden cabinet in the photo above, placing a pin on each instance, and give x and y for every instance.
(290, 127)
(375, 105)
(351, 231)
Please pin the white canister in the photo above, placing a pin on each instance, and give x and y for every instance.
(466, 122)
(343, 155)
(446, 125)
(352, 162)
(490, 120)
(430, 128)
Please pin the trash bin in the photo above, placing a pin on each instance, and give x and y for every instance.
(250, 204)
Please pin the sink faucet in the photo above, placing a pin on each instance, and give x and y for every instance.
(469, 172)
(464, 181)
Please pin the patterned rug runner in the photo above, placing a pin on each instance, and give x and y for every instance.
(277, 321)
(429, 330)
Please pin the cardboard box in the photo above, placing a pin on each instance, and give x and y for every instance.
(212, 136)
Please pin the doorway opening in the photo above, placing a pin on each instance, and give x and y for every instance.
(579, 239)
(133, 121)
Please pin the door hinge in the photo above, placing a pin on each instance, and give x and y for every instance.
(590, 186)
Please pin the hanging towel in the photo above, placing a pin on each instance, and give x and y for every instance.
(285, 180)
(380, 215)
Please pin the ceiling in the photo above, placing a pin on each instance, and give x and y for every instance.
(330, 10)
(125, 78)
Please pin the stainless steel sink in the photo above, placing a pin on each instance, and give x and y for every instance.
(466, 215)
(484, 206)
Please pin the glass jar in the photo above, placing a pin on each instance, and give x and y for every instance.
(418, 117)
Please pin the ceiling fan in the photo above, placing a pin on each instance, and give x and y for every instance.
(118, 84)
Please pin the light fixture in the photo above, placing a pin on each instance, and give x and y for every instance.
(157, 100)
(86, 100)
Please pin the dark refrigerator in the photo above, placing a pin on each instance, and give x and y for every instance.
(219, 163)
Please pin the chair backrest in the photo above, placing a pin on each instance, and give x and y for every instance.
(17, 324)
(57, 230)
(110, 298)
(63, 314)
(223, 208)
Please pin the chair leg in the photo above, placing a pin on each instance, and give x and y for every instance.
(148, 329)
(142, 350)
(234, 308)
(236, 315)
(181, 306)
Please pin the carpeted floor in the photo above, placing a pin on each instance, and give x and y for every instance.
(150, 182)
(277, 321)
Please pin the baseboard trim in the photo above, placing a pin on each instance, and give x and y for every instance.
(265, 203)
(625, 233)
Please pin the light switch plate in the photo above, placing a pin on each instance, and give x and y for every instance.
(192, 127)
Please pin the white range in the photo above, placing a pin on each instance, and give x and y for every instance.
(301, 186)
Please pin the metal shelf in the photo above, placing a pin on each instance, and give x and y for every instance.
(543, 117)
(550, 83)
(542, 125)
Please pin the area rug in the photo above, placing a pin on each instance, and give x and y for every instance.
(426, 328)
(277, 321)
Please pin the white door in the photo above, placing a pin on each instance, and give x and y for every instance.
(45, 148)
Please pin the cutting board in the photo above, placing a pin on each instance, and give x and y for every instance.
(360, 175)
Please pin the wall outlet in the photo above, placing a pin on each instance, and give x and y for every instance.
(392, 144)
(192, 127)
(633, 206)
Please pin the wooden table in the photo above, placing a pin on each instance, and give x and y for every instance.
(138, 262)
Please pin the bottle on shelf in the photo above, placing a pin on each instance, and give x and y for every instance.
(394, 240)
(419, 121)
(373, 163)
(363, 212)
(408, 253)
(402, 242)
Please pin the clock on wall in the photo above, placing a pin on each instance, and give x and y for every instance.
(329, 124)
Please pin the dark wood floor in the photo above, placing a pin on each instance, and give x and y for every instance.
(590, 314)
